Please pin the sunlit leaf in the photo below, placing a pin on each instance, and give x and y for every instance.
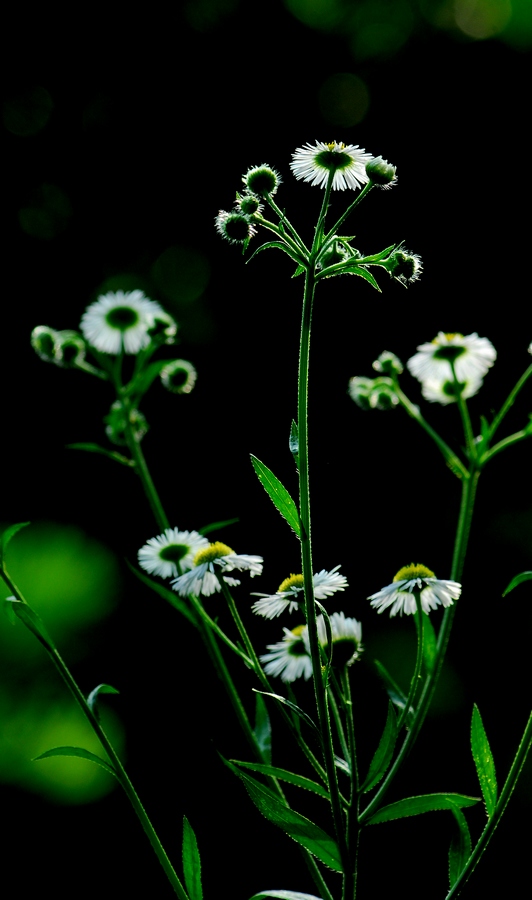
(111, 454)
(293, 706)
(92, 699)
(484, 762)
(460, 849)
(280, 245)
(523, 576)
(263, 729)
(429, 641)
(278, 494)
(414, 806)
(291, 777)
(302, 830)
(384, 751)
(33, 622)
(298, 271)
(284, 895)
(217, 526)
(7, 536)
(81, 753)
(191, 862)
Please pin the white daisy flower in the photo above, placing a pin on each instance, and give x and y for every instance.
(445, 391)
(472, 357)
(289, 659)
(120, 320)
(347, 162)
(203, 578)
(415, 578)
(161, 554)
(346, 638)
(287, 596)
(530, 347)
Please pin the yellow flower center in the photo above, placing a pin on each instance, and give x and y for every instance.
(298, 630)
(213, 551)
(414, 570)
(335, 146)
(291, 581)
(448, 335)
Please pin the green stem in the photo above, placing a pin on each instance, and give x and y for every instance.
(119, 770)
(334, 230)
(353, 828)
(469, 487)
(508, 403)
(506, 442)
(285, 221)
(466, 419)
(419, 662)
(211, 625)
(491, 825)
(144, 473)
(301, 253)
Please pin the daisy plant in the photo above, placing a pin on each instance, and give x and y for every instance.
(122, 340)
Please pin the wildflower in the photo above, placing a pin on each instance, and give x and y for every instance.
(471, 357)
(346, 637)
(70, 348)
(119, 320)
(405, 267)
(163, 554)
(408, 581)
(248, 204)
(388, 363)
(347, 162)
(287, 596)
(203, 577)
(290, 658)
(373, 393)
(381, 173)
(44, 342)
(163, 328)
(262, 180)
(448, 391)
(179, 376)
(234, 227)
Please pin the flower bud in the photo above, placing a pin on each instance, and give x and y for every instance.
(70, 349)
(179, 376)
(381, 172)
(261, 180)
(44, 342)
(373, 393)
(248, 204)
(334, 254)
(116, 423)
(388, 363)
(162, 328)
(404, 266)
(234, 227)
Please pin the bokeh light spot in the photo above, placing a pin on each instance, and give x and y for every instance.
(320, 14)
(481, 19)
(344, 99)
(27, 112)
(181, 274)
(47, 214)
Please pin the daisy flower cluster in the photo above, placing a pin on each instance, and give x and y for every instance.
(452, 364)
(163, 554)
(290, 658)
(64, 348)
(290, 592)
(414, 579)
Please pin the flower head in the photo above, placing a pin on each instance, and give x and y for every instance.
(161, 555)
(373, 393)
(163, 328)
(248, 204)
(290, 590)
(447, 391)
(290, 658)
(261, 180)
(179, 376)
(234, 227)
(119, 320)
(70, 348)
(470, 356)
(381, 173)
(347, 161)
(388, 363)
(44, 342)
(405, 267)
(408, 581)
(202, 578)
(346, 637)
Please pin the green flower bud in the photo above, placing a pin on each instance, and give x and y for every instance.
(387, 363)
(44, 342)
(163, 328)
(116, 423)
(381, 172)
(373, 393)
(179, 376)
(234, 227)
(71, 349)
(248, 204)
(261, 180)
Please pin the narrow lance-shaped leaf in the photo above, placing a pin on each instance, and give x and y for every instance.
(92, 699)
(278, 494)
(33, 623)
(284, 895)
(523, 576)
(217, 526)
(293, 706)
(460, 849)
(483, 761)
(7, 536)
(263, 729)
(396, 695)
(429, 641)
(296, 826)
(191, 862)
(280, 245)
(79, 752)
(414, 806)
(290, 777)
(384, 751)
(111, 454)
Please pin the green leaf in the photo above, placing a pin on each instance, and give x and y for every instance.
(191, 862)
(263, 729)
(377, 257)
(298, 271)
(384, 751)
(414, 806)
(523, 576)
(33, 622)
(358, 270)
(297, 709)
(285, 895)
(278, 494)
(396, 695)
(291, 777)
(171, 596)
(79, 752)
(92, 699)
(6, 537)
(280, 246)
(460, 849)
(291, 822)
(429, 641)
(483, 761)
(217, 526)
(111, 454)
(145, 378)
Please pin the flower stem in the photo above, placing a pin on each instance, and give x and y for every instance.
(353, 829)
(363, 193)
(491, 825)
(419, 661)
(508, 403)
(143, 472)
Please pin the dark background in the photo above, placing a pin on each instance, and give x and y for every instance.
(145, 127)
